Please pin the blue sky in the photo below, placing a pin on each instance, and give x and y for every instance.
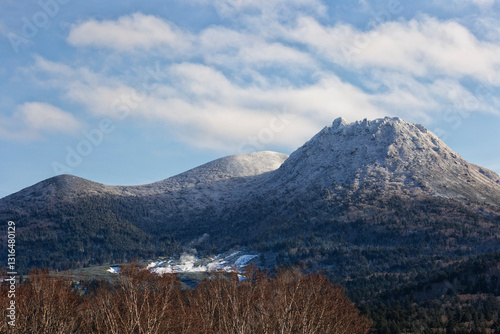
(132, 92)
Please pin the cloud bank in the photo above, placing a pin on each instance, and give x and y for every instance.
(228, 82)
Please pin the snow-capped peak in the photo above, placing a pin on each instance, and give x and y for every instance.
(387, 154)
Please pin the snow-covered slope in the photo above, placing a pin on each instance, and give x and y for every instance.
(214, 185)
(214, 173)
(210, 176)
(386, 156)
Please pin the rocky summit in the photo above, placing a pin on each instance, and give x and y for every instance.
(388, 156)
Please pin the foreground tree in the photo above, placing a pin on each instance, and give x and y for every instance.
(141, 302)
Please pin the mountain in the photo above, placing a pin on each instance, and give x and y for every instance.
(388, 156)
(67, 221)
(358, 198)
(68, 187)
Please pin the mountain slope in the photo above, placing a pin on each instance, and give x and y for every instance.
(355, 193)
(68, 187)
(66, 220)
(386, 156)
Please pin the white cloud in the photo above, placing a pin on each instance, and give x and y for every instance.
(32, 119)
(422, 47)
(42, 64)
(226, 47)
(207, 108)
(203, 102)
(137, 31)
(216, 45)
(234, 81)
(46, 117)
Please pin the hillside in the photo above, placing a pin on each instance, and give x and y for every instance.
(67, 221)
(369, 196)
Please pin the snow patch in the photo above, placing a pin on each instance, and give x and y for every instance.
(243, 260)
(188, 263)
(114, 270)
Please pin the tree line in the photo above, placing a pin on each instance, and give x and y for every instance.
(138, 301)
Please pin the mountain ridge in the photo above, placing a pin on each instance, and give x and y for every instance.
(233, 166)
(374, 185)
(393, 157)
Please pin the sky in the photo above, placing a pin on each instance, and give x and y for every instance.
(132, 92)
